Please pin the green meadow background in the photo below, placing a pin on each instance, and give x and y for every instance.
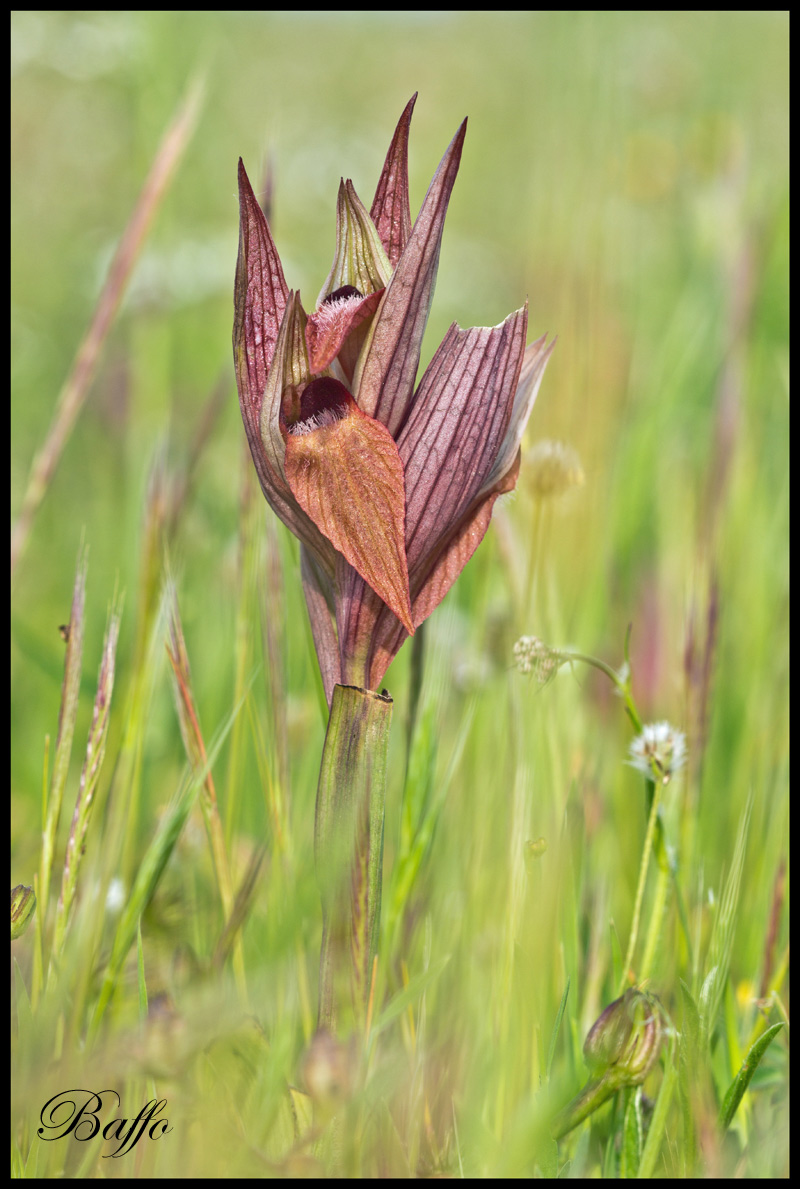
(627, 173)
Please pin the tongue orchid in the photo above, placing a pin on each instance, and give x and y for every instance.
(389, 484)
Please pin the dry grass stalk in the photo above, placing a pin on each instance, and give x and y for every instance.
(73, 394)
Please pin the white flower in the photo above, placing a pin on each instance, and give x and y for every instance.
(660, 748)
(115, 896)
(531, 655)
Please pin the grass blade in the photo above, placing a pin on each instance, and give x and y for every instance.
(140, 969)
(721, 944)
(149, 874)
(408, 995)
(195, 747)
(742, 1080)
(658, 1123)
(556, 1026)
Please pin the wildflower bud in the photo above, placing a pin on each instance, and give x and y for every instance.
(621, 1049)
(660, 750)
(534, 849)
(23, 906)
(625, 1041)
(553, 468)
(329, 1068)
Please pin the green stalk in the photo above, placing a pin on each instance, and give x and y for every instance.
(348, 850)
(594, 1094)
(70, 692)
(657, 914)
(645, 862)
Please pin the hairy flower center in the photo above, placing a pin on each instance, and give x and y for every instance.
(342, 293)
(323, 401)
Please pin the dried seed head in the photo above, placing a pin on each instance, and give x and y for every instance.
(532, 655)
(553, 467)
(660, 746)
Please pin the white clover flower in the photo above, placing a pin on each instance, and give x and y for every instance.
(660, 745)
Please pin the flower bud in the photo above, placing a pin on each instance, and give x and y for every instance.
(329, 1068)
(626, 1039)
(23, 906)
(621, 1049)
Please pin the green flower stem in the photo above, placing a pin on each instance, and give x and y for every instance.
(621, 680)
(348, 850)
(637, 910)
(655, 831)
(656, 922)
(596, 1092)
(667, 874)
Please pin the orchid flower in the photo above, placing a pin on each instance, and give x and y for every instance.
(388, 484)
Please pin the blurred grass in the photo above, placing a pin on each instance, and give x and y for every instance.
(628, 172)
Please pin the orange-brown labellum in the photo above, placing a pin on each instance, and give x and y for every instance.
(345, 472)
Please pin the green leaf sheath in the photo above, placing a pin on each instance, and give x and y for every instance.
(348, 848)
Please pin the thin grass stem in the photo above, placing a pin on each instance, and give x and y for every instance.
(73, 394)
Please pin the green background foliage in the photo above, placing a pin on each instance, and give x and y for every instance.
(628, 174)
